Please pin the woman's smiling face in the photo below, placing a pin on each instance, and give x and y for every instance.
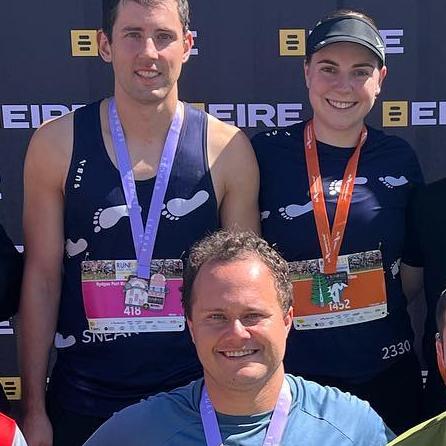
(343, 80)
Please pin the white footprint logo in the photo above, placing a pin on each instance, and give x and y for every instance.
(295, 210)
(107, 218)
(73, 249)
(335, 186)
(392, 182)
(179, 207)
(264, 215)
(395, 268)
(61, 342)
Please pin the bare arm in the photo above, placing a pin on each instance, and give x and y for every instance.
(235, 174)
(412, 281)
(45, 169)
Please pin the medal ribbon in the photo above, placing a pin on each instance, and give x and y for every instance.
(143, 239)
(330, 241)
(276, 425)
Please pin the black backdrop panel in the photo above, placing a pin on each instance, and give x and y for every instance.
(247, 68)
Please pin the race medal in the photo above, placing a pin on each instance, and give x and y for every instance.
(157, 291)
(136, 291)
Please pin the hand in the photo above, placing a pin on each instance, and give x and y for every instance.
(37, 429)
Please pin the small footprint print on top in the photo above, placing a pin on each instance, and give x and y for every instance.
(395, 268)
(335, 186)
(173, 210)
(179, 207)
(61, 342)
(264, 215)
(74, 248)
(391, 182)
(108, 217)
(295, 210)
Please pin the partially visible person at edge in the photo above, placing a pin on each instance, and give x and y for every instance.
(81, 174)
(11, 269)
(333, 188)
(433, 431)
(426, 248)
(237, 299)
(10, 434)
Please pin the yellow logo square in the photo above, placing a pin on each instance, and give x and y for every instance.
(199, 105)
(292, 42)
(83, 42)
(395, 113)
(12, 387)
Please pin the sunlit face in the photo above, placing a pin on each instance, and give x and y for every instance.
(237, 324)
(147, 51)
(343, 80)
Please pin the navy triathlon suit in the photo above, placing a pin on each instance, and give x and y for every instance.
(98, 374)
(387, 171)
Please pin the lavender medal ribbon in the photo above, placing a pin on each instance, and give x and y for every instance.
(276, 425)
(143, 240)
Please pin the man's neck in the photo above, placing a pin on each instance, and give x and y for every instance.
(334, 137)
(246, 400)
(146, 122)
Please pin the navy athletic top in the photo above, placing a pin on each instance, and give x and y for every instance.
(387, 171)
(98, 374)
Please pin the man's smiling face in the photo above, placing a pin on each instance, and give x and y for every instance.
(237, 324)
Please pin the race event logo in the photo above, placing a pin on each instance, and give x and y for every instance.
(12, 387)
(292, 42)
(253, 115)
(6, 328)
(395, 114)
(24, 116)
(416, 113)
(83, 42)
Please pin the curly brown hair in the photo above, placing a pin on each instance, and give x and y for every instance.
(227, 246)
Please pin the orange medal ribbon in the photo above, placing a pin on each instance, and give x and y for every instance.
(330, 241)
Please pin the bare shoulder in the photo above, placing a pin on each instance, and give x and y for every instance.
(235, 175)
(223, 136)
(51, 148)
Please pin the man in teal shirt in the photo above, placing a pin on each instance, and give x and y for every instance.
(432, 432)
(237, 298)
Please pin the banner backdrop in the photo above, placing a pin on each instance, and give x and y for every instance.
(246, 68)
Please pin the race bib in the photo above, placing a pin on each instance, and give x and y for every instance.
(354, 294)
(117, 301)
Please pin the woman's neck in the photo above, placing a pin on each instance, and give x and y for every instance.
(343, 138)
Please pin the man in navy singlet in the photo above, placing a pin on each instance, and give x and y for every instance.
(115, 195)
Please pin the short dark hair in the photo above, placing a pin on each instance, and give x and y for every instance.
(110, 12)
(344, 12)
(440, 314)
(228, 246)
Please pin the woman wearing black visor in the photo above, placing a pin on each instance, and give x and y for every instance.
(334, 194)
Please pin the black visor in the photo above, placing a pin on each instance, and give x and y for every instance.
(346, 29)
